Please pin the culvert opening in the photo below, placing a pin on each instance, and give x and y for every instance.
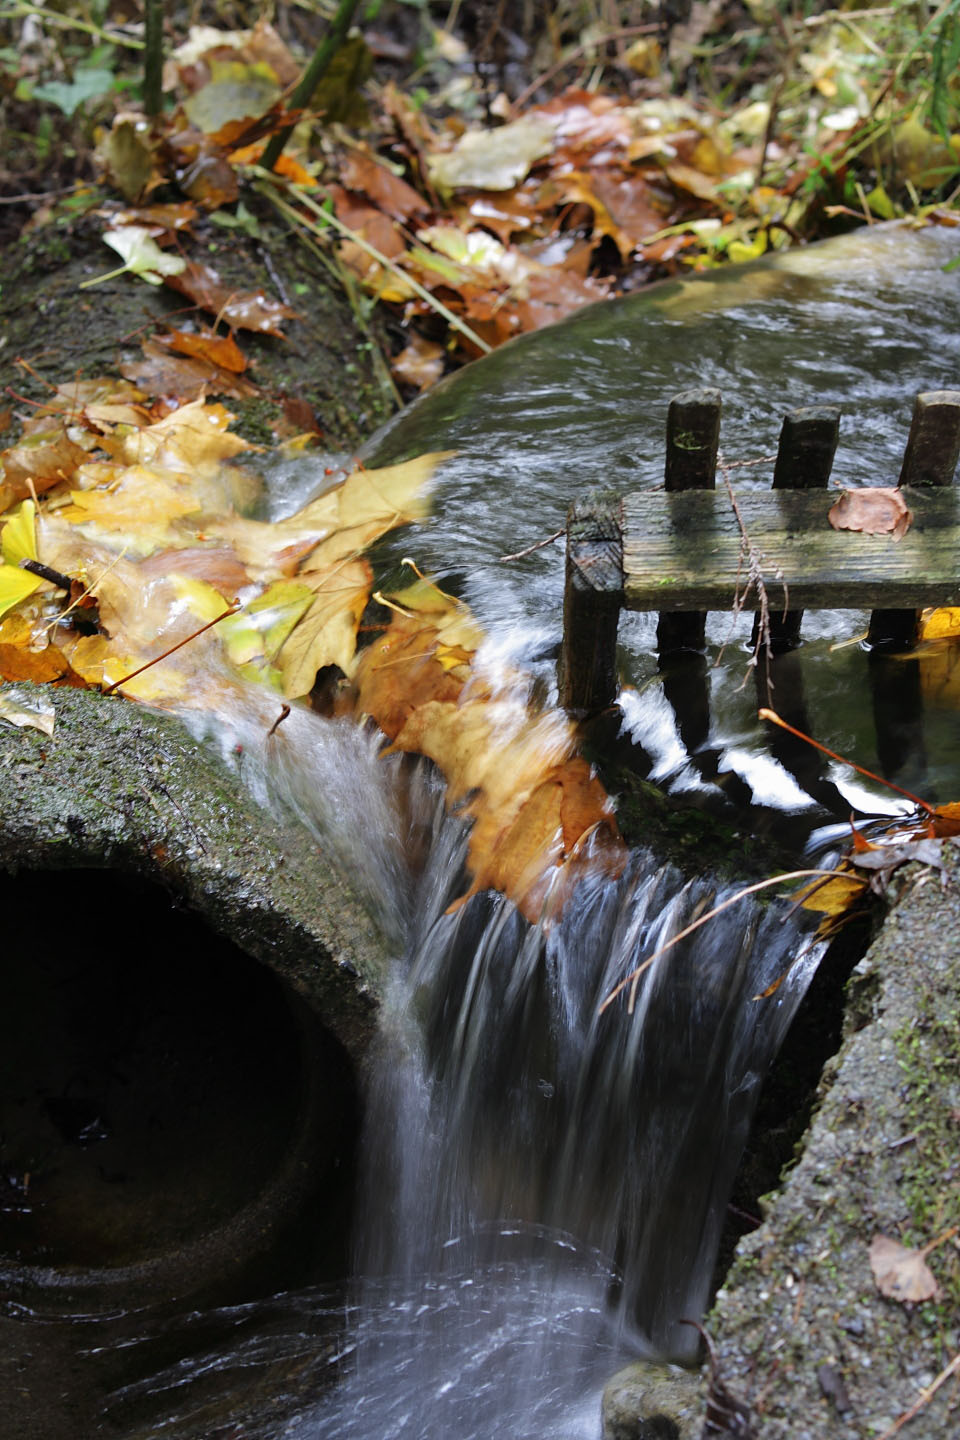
(169, 1110)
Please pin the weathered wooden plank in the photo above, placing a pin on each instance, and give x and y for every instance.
(693, 439)
(808, 443)
(933, 447)
(683, 551)
(930, 458)
(593, 594)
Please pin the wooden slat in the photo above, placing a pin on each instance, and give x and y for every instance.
(808, 443)
(682, 551)
(933, 448)
(593, 594)
(693, 439)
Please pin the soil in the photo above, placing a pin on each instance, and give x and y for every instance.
(330, 362)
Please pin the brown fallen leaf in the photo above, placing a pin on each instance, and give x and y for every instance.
(244, 310)
(361, 173)
(873, 510)
(420, 363)
(220, 350)
(40, 667)
(541, 818)
(42, 459)
(901, 1274)
(163, 372)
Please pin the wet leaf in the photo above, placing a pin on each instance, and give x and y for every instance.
(538, 812)
(33, 713)
(141, 507)
(236, 91)
(387, 191)
(900, 1273)
(163, 372)
(15, 586)
(327, 633)
(220, 350)
(129, 158)
(243, 310)
(39, 667)
(215, 564)
(874, 510)
(493, 159)
(420, 363)
(141, 256)
(833, 897)
(42, 459)
(19, 535)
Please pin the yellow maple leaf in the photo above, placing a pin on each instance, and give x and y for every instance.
(327, 633)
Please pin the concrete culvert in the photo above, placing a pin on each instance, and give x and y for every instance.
(168, 1107)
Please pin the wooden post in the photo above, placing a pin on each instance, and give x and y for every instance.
(930, 459)
(592, 598)
(808, 443)
(693, 437)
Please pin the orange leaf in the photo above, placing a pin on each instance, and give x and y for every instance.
(220, 350)
(42, 667)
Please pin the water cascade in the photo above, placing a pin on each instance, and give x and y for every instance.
(543, 1184)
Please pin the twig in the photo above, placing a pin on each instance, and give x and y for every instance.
(173, 649)
(47, 572)
(47, 16)
(924, 1398)
(278, 722)
(36, 195)
(775, 719)
(312, 76)
(153, 58)
(754, 559)
(575, 54)
(329, 218)
(633, 978)
(519, 555)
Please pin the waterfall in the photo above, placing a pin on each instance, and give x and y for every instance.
(543, 1183)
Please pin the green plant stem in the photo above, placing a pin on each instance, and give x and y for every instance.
(22, 10)
(153, 58)
(267, 187)
(312, 76)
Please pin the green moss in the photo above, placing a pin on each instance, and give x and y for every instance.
(928, 1055)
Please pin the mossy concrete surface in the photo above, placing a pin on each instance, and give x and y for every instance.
(118, 786)
(800, 1326)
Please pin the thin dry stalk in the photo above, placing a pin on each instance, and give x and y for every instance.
(634, 977)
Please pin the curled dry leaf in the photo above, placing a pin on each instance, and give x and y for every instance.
(874, 510)
(901, 1273)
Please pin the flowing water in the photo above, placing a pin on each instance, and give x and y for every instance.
(543, 1184)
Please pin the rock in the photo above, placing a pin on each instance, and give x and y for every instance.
(646, 1401)
(800, 1320)
(119, 787)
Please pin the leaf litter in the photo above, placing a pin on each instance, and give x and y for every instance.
(192, 598)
